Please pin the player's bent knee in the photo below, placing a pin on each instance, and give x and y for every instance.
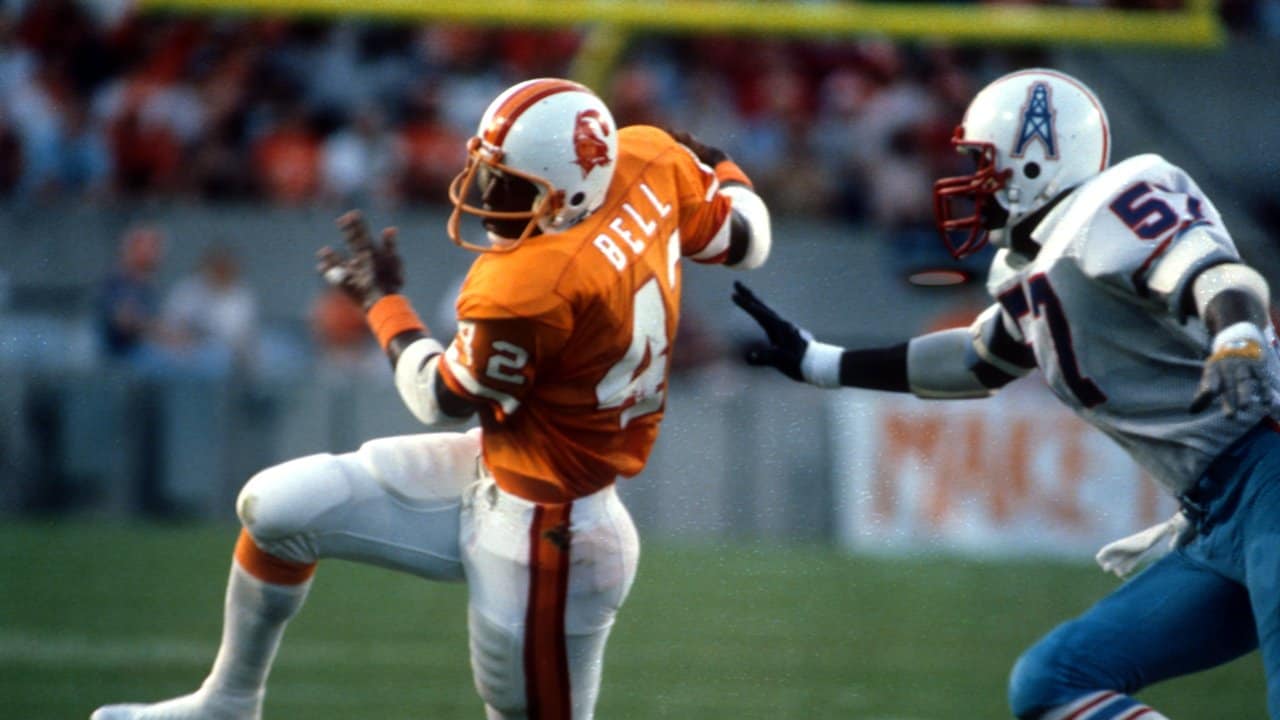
(496, 666)
(1038, 682)
(278, 503)
(1026, 688)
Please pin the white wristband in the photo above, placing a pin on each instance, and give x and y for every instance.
(1241, 332)
(821, 364)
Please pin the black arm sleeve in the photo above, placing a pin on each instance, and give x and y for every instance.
(739, 239)
(876, 369)
(450, 404)
(400, 342)
(1232, 306)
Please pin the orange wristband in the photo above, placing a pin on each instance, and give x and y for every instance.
(728, 171)
(391, 316)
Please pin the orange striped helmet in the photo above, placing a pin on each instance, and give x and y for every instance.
(541, 161)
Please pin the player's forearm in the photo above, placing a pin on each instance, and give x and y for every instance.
(417, 374)
(1228, 294)
(414, 357)
(869, 368)
(395, 324)
(937, 366)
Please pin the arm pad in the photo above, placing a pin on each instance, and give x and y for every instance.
(938, 366)
(417, 371)
(748, 250)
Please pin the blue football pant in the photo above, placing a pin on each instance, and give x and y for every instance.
(1212, 601)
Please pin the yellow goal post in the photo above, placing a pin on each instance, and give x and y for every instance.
(1194, 26)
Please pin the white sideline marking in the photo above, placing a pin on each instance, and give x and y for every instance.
(46, 649)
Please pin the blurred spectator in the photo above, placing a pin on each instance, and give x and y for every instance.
(706, 107)
(902, 194)
(235, 108)
(462, 58)
(80, 161)
(10, 157)
(211, 317)
(428, 151)
(804, 184)
(217, 170)
(17, 63)
(634, 96)
(837, 139)
(292, 111)
(774, 98)
(357, 161)
(127, 305)
(287, 159)
(342, 337)
(147, 154)
(33, 105)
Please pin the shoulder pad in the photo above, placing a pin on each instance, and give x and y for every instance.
(1004, 270)
(523, 283)
(1126, 220)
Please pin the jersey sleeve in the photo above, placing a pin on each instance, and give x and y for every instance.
(998, 353)
(704, 211)
(492, 362)
(503, 338)
(1151, 237)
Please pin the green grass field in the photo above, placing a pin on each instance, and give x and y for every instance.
(92, 614)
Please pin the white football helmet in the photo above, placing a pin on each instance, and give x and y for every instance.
(1033, 133)
(541, 161)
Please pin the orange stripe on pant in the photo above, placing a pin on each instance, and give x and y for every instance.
(546, 660)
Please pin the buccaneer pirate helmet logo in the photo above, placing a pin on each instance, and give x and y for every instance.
(589, 131)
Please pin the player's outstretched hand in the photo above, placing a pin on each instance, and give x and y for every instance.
(372, 271)
(787, 343)
(708, 154)
(1236, 372)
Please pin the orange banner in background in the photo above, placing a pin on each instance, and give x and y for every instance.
(1005, 476)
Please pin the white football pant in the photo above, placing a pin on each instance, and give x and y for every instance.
(545, 581)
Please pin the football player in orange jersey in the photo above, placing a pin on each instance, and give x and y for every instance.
(565, 327)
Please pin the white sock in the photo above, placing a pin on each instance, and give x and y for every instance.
(254, 618)
(253, 622)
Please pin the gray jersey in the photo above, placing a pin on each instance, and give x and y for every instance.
(1102, 308)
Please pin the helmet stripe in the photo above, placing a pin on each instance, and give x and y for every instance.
(521, 100)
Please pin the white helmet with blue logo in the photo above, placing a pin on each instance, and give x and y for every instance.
(1033, 133)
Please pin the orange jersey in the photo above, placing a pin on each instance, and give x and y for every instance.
(564, 341)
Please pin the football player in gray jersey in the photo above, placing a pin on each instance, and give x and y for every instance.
(1121, 284)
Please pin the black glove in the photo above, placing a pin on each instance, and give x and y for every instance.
(374, 269)
(708, 154)
(787, 343)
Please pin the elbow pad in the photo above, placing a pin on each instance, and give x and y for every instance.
(755, 214)
(938, 366)
(416, 372)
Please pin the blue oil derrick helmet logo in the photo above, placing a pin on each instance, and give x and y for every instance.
(1037, 123)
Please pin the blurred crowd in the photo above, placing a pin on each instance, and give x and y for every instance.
(208, 323)
(97, 106)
